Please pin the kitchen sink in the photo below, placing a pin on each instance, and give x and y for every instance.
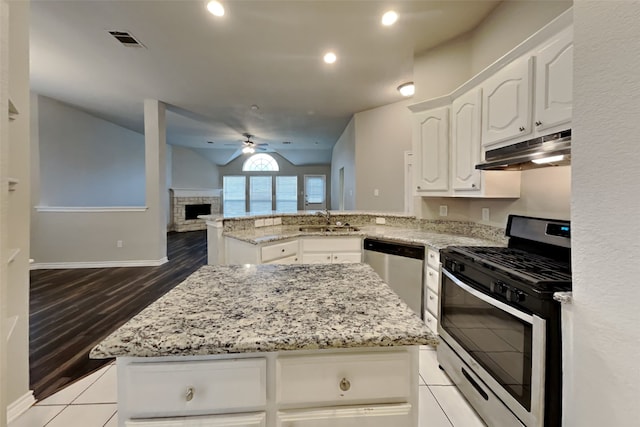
(327, 228)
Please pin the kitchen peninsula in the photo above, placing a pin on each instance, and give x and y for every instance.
(271, 345)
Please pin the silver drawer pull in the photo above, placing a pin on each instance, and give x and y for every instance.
(345, 384)
(190, 393)
(430, 274)
(430, 297)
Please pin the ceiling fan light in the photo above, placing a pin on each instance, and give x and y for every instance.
(248, 150)
(407, 89)
(215, 8)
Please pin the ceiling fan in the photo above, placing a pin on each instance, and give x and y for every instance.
(250, 147)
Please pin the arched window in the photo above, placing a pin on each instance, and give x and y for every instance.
(260, 162)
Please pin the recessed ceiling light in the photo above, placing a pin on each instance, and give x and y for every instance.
(254, 107)
(389, 18)
(407, 89)
(330, 57)
(215, 8)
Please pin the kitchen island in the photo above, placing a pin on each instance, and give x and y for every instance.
(271, 345)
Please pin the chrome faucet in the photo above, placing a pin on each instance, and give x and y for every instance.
(326, 215)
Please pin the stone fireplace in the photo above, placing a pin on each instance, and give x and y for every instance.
(187, 204)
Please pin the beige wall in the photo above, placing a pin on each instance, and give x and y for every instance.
(511, 23)
(602, 377)
(382, 136)
(343, 156)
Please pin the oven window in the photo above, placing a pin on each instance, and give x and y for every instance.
(498, 341)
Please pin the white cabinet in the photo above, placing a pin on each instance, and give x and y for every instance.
(466, 140)
(431, 150)
(432, 290)
(506, 102)
(554, 82)
(331, 250)
(281, 252)
(369, 416)
(230, 420)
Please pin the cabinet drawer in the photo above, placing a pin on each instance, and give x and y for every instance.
(156, 389)
(431, 321)
(433, 258)
(371, 416)
(239, 420)
(433, 279)
(346, 257)
(279, 250)
(332, 244)
(432, 302)
(343, 379)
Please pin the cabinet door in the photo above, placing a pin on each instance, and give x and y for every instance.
(506, 103)
(431, 143)
(554, 81)
(466, 140)
(369, 416)
(239, 420)
(293, 259)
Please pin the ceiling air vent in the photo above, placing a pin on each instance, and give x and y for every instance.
(126, 39)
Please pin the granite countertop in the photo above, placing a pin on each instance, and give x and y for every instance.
(263, 308)
(433, 239)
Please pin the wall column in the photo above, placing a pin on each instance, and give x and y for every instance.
(155, 145)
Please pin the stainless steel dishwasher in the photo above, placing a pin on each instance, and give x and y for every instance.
(401, 266)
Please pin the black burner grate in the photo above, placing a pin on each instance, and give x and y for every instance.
(527, 266)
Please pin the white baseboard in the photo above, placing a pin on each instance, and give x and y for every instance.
(20, 406)
(97, 264)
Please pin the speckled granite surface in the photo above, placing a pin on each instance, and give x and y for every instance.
(428, 238)
(262, 308)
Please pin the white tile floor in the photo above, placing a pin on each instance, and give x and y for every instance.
(91, 401)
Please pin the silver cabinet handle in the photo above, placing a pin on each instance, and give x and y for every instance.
(521, 129)
(538, 123)
(431, 273)
(431, 297)
(283, 250)
(345, 384)
(190, 393)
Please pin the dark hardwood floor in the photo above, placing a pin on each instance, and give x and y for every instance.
(72, 310)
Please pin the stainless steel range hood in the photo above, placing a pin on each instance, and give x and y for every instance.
(548, 150)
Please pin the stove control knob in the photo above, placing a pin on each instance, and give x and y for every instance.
(498, 287)
(455, 267)
(515, 295)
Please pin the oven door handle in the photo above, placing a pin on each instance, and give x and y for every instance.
(489, 300)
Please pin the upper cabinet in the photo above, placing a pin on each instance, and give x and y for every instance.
(465, 141)
(554, 82)
(506, 102)
(431, 148)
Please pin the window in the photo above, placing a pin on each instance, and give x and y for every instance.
(286, 193)
(234, 195)
(260, 162)
(260, 194)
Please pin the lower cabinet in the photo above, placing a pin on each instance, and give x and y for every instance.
(233, 420)
(371, 387)
(370, 416)
(432, 289)
(331, 250)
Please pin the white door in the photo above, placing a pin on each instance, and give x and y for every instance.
(315, 192)
(465, 139)
(506, 103)
(554, 81)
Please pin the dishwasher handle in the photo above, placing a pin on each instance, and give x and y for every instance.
(406, 250)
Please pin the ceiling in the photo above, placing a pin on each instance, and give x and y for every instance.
(210, 70)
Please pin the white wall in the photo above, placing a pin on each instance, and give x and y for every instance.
(286, 168)
(603, 375)
(87, 161)
(382, 136)
(344, 156)
(191, 170)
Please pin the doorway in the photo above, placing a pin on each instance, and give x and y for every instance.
(315, 190)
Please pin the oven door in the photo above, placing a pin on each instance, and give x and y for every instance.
(504, 346)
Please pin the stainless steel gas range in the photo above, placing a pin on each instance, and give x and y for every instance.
(500, 326)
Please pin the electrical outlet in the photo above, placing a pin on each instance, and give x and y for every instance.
(444, 210)
(268, 221)
(277, 221)
(259, 223)
(381, 220)
(376, 192)
(119, 243)
(485, 214)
